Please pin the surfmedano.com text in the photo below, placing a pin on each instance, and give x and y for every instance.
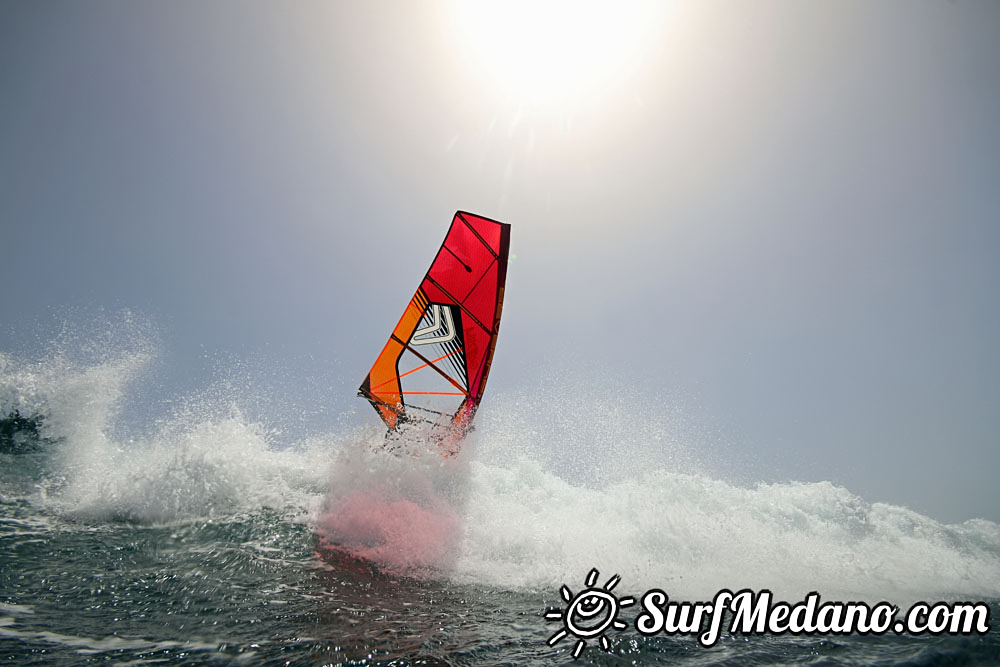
(752, 612)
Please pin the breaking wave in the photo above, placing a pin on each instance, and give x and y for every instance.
(512, 510)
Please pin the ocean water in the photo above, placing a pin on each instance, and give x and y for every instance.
(208, 537)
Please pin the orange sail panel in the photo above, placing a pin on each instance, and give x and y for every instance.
(434, 366)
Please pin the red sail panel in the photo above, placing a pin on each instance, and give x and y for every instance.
(435, 365)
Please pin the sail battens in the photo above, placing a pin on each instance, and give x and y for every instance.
(446, 337)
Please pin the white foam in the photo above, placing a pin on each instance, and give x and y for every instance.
(205, 460)
(89, 645)
(7, 608)
(521, 525)
(215, 467)
(534, 500)
(693, 535)
(554, 493)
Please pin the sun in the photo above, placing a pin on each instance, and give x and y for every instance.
(589, 613)
(550, 52)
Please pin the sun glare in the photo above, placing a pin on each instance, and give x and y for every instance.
(553, 51)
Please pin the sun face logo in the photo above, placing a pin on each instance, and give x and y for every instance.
(589, 613)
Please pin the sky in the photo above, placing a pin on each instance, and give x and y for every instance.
(782, 215)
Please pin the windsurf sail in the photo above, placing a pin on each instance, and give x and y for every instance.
(434, 367)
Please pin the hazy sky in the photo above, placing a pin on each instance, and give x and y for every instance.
(786, 212)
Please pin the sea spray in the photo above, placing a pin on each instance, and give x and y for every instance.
(398, 507)
(693, 535)
(535, 499)
(214, 468)
(203, 459)
(661, 521)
